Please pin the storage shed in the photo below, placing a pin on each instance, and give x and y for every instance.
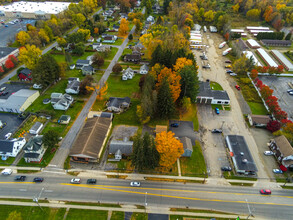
(36, 128)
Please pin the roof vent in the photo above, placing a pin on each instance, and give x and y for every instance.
(244, 161)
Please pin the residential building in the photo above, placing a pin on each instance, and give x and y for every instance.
(34, 150)
(64, 119)
(240, 155)
(72, 87)
(144, 69)
(118, 104)
(89, 143)
(91, 39)
(10, 148)
(71, 79)
(60, 101)
(282, 60)
(25, 74)
(36, 128)
(82, 63)
(72, 66)
(187, 146)
(276, 43)
(127, 74)
(19, 101)
(259, 121)
(5, 52)
(109, 39)
(282, 149)
(125, 147)
(132, 58)
(93, 114)
(116, 27)
(87, 70)
(150, 19)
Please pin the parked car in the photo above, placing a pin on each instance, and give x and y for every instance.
(8, 135)
(37, 86)
(217, 110)
(229, 71)
(265, 192)
(5, 93)
(20, 178)
(228, 61)
(277, 171)
(268, 153)
(38, 179)
(290, 90)
(91, 181)
(216, 131)
(237, 87)
(3, 125)
(174, 125)
(2, 89)
(233, 74)
(206, 66)
(75, 180)
(226, 168)
(228, 66)
(134, 183)
(290, 93)
(6, 172)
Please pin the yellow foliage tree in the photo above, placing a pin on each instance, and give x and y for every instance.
(169, 148)
(29, 55)
(43, 36)
(23, 38)
(140, 115)
(79, 19)
(155, 71)
(86, 33)
(124, 27)
(209, 16)
(102, 92)
(173, 80)
(236, 8)
(150, 43)
(181, 62)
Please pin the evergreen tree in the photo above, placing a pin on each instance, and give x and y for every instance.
(157, 55)
(189, 83)
(288, 36)
(165, 102)
(165, 6)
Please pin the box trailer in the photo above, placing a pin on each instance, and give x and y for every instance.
(222, 44)
(225, 52)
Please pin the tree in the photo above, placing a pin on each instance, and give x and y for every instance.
(63, 67)
(254, 74)
(22, 37)
(86, 82)
(117, 68)
(253, 14)
(130, 37)
(288, 36)
(51, 138)
(29, 55)
(78, 19)
(124, 27)
(165, 102)
(13, 59)
(61, 42)
(181, 62)
(280, 115)
(236, 8)
(273, 126)
(46, 71)
(157, 55)
(138, 25)
(209, 16)
(14, 216)
(9, 64)
(97, 60)
(43, 36)
(185, 104)
(242, 65)
(189, 82)
(169, 148)
(266, 92)
(79, 49)
(68, 58)
(86, 33)
(272, 102)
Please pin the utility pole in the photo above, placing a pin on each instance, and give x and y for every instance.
(145, 200)
(250, 213)
(36, 199)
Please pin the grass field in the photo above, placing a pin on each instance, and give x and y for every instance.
(117, 215)
(139, 216)
(191, 115)
(83, 214)
(257, 108)
(216, 86)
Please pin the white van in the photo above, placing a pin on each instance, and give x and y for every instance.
(204, 28)
(6, 172)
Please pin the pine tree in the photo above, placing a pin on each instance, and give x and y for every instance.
(157, 55)
(189, 83)
(165, 104)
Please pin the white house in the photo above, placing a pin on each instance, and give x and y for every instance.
(151, 19)
(10, 148)
(34, 150)
(127, 74)
(60, 101)
(144, 69)
(91, 39)
(118, 104)
(72, 87)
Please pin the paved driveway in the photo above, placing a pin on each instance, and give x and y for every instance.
(12, 121)
(185, 129)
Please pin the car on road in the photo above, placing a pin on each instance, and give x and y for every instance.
(134, 183)
(91, 181)
(237, 87)
(290, 90)
(229, 71)
(75, 180)
(6, 172)
(290, 93)
(226, 168)
(2, 89)
(8, 135)
(217, 110)
(233, 74)
(20, 178)
(174, 125)
(38, 179)
(217, 131)
(268, 153)
(228, 61)
(3, 125)
(265, 192)
(278, 171)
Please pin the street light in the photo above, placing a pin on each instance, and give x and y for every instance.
(36, 199)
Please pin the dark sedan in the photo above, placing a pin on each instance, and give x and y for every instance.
(38, 179)
(20, 178)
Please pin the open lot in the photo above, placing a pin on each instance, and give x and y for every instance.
(12, 121)
(11, 88)
(280, 87)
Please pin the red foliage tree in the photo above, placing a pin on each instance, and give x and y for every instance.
(265, 91)
(9, 64)
(285, 121)
(259, 83)
(1, 69)
(254, 74)
(227, 36)
(280, 69)
(272, 102)
(264, 69)
(281, 115)
(13, 59)
(273, 126)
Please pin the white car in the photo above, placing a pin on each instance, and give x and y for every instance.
(37, 86)
(268, 153)
(75, 180)
(6, 172)
(2, 89)
(8, 135)
(135, 184)
(233, 74)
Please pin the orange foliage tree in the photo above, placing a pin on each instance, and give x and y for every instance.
(124, 28)
(180, 63)
(169, 148)
(102, 92)
(173, 79)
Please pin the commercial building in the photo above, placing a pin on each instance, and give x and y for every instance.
(5, 52)
(250, 55)
(253, 44)
(278, 43)
(282, 60)
(266, 58)
(33, 10)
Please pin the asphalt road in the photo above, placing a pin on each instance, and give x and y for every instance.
(157, 194)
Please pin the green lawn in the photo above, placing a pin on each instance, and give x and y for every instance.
(83, 214)
(129, 117)
(105, 65)
(216, 86)
(139, 216)
(257, 108)
(7, 162)
(191, 115)
(127, 51)
(117, 215)
(61, 58)
(195, 165)
(112, 54)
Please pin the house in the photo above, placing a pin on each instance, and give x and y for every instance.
(208, 96)
(82, 63)
(161, 128)
(70, 79)
(96, 45)
(187, 146)
(72, 66)
(118, 104)
(10, 148)
(25, 74)
(64, 119)
(283, 151)
(36, 128)
(259, 121)
(132, 58)
(124, 15)
(60, 101)
(127, 74)
(144, 69)
(88, 146)
(139, 46)
(125, 147)
(5, 52)
(91, 39)
(87, 70)
(109, 39)
(116, 27)
(34, 150)
(150, 19)
(240, 154)
(72, 87)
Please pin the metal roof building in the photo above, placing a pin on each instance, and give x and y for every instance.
(253, 44)
(283, 60)
(249, 54)
(266, 57)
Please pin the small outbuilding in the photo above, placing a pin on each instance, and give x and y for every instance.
(161, 128)
(125, 147)
(259, 121)
(187, 146)
(36, 128)
(64, 119)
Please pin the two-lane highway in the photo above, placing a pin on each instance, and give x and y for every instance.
(229, 199)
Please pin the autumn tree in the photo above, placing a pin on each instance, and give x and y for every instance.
(9, 64)
(181, 62)
(169, 148)
(254, 74)
(14, 216)
(272, 102)
(43, 36)
(22, 37)
(124, 27)
(86, 33)
(97, 60)
(51, 138)
(84, 84)
(29, 55)
(253, 14)
(266, 92)
(79, 49)
(63, 67)
(273, 126)
(165, 103)
(117, 68)
(242, 65)
(138, 25)
(236, 8)
(185, 104)
(61, 42)
(189, 82)
(78, 19)
(209, 16)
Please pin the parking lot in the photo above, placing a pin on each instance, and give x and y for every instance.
(12, 123)
(280, 87)
(184, 129)
(12, 88)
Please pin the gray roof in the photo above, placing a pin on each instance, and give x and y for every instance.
(241, 155)
(25, 71)
(124, 146)
(106, 115)
(7, 145)
(88, 68)
(73, 85)
(116, 102)
(144, 67)
(34, 144)
(82, 62)
(205, 91)
(279, 42)
(217, 94)
(64, 117)
(36, 126)
(31, 155)
(186, 143)
(4, 51)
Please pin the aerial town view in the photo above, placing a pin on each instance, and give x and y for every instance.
(146, 109)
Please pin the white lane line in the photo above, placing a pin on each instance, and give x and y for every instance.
(48, 191)
(23, 190)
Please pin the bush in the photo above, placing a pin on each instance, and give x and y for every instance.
(245, 80)
(250, 94)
